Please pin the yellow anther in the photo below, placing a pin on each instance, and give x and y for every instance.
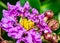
(27, 24)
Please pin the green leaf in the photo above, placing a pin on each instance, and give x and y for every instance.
(59, 17)
(22, 2)
(1, 8)
(35, 4)
(50, 5)
(3, 5)
(44, 8)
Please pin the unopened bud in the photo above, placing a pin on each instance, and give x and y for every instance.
(48, 36)
(53, 24)
(54, 39)
(49, 14)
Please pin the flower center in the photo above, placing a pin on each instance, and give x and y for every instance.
(27, 24)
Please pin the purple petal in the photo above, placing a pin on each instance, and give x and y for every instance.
(11, 6)
(34, 11)
(29, 38)
(27, 6)
(5, 13)
(18, 4)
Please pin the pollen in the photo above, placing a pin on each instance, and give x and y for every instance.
(27, 24)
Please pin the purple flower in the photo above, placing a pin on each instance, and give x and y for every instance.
(13, 27)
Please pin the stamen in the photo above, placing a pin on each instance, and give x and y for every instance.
(27, 24)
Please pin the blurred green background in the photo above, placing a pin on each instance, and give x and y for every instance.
(40, 5)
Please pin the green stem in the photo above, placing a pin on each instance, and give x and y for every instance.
(3, 5)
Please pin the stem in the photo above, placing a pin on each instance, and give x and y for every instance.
(3, 5)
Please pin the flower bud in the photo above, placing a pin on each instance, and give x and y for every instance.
(53, 24)
(49, 14)
(48, 36)
(54, 39)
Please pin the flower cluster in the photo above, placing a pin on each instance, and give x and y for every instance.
(24, 25)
